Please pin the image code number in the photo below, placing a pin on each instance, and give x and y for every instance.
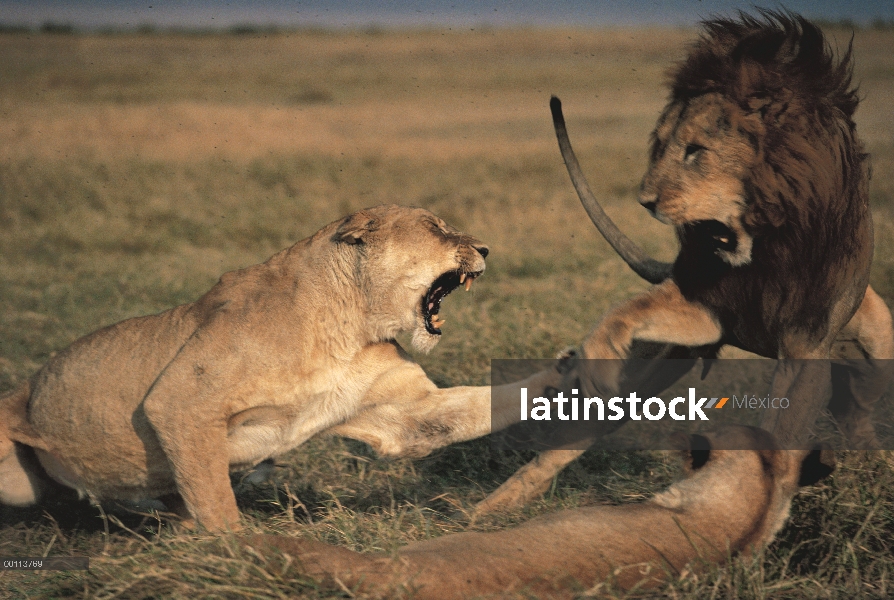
(52, 563)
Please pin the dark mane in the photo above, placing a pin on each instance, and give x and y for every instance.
(807, 194)
(764, 59)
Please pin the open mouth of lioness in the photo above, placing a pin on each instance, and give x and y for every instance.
(440, 289)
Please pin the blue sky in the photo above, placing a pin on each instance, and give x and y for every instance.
(207, 13)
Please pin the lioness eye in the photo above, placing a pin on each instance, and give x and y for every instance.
(691, 151)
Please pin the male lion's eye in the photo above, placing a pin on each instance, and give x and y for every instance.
(692, 151)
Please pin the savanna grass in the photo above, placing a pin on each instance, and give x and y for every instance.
(137, 169)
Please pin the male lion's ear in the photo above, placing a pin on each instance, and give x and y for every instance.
(771, 106)
(759, 104)
(818, 464)
(354, 229)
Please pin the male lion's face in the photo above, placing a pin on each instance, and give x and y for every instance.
(699, 159)
(413, 260)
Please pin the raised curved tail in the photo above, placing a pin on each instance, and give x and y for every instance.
(643, 265)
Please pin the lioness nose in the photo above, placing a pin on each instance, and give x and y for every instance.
(482, 250)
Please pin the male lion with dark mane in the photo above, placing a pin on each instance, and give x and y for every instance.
(756, 163)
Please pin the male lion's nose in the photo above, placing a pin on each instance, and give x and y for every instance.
(482, 250)
(649, 201)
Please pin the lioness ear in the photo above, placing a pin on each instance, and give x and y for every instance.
(696, 450)
(818, 464)
(354, 229)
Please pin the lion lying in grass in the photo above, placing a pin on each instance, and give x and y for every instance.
(731, 501)
(270, 356)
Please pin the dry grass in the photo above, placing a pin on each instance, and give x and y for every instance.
(135, 170)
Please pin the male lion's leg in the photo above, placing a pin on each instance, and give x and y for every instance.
(530, 481)
(661, 316)
(858, 382)
(535, 478)
(863, 369)
(805, 380)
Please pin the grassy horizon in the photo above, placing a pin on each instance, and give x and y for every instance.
(136, 169)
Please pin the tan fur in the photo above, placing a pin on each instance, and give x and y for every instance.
(273, 354)
(756, 163)
(20, 483)
(733, 502)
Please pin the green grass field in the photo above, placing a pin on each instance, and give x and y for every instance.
(134, 170)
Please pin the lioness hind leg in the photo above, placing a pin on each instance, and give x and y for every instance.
(862, 370)
(20, 481)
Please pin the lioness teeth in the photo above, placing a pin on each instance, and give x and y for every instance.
(469, 282)
(462, 277)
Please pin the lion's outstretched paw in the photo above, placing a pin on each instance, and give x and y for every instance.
(519, 490)
(509, 498)
(528, 483)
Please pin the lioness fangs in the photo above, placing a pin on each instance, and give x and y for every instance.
(270, 356)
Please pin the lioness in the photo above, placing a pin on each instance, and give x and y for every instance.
(270, 356)
(731, 501)
(756, 163)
